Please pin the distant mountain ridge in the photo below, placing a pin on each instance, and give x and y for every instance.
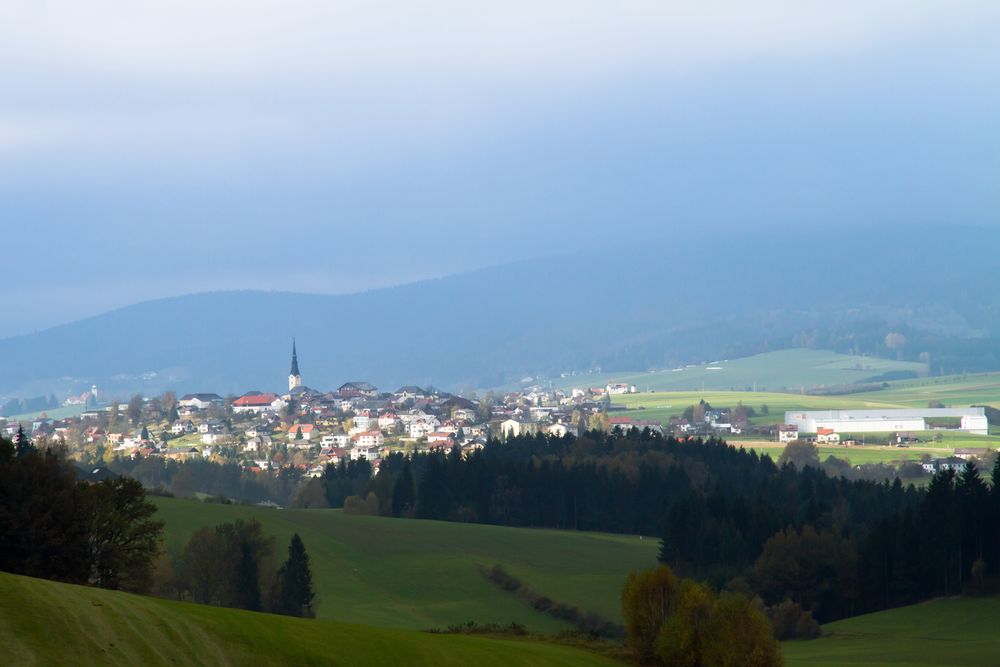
(626, 307)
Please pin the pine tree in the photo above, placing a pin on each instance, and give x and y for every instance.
(295, 596)
(22, 445)
(403, 493)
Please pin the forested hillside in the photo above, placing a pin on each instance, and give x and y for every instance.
(628, 307)
(834, 546)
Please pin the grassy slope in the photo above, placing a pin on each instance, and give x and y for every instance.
(952, 390)
(956, 631)
(423, 574)
(47, 623)
(664, 405)
(773, 371)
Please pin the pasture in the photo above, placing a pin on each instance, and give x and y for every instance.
(952, 631)
(784, 370)
(48, 623)
(414, 574)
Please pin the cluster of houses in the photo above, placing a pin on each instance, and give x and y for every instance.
(312, 429)
(316, 428)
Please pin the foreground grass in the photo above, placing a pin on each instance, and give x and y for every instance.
(954, 631)
(48, 623)
(407, 573)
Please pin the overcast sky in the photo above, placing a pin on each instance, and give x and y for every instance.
(158, 148)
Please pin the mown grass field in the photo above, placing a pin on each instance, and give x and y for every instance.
(407, 573)
(48, 623)
(783, 370)
(955, 631)
(952, 390)
(664, 405)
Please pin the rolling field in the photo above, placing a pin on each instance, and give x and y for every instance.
(792, 369)
(48, 623)
(52, 413)
(953, 631)
(664, 405)
(413, 574)
(952, 390)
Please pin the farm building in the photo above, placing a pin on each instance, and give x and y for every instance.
(972, 420)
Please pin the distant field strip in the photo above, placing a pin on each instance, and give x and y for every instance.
(793, 369)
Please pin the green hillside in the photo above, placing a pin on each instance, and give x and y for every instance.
(784, 370)
(954, 631)
(415, 574)
(48, 623)
(664, 405)
(952, 390)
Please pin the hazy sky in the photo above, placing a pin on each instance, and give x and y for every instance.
(157, 148)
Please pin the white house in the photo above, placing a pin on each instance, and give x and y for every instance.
(369, 439)
(559, 430)
(307, 431)
(370, 453)
(788, 432)
(200, 401)
(258, 403)
(182, 426)
(515, 427)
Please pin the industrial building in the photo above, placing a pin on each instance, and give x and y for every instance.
(881, 420)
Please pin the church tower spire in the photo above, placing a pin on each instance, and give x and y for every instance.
(294, 379)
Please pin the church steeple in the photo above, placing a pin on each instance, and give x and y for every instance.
(294, 379)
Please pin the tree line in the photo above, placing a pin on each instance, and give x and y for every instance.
(725, 515)
(185, 478)
(54, 526)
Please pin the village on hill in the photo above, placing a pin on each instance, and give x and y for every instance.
(310, 429)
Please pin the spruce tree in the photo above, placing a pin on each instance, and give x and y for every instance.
(296, 596)
(403, 493)
(22, 445)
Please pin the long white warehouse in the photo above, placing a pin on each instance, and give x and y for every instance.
(972, 420)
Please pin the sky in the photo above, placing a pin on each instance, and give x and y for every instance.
(150, 149)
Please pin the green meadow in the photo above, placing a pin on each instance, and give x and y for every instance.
(664, 405)
(952, 390)
(48, 623)
(784, 370)
(946, 632)
(414, 574)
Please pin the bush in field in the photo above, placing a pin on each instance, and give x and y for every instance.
(684, 623)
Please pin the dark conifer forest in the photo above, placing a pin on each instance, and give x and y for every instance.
(725, 515)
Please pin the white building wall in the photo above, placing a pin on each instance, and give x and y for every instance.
(883, 421)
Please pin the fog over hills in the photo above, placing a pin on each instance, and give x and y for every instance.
(632, 306)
